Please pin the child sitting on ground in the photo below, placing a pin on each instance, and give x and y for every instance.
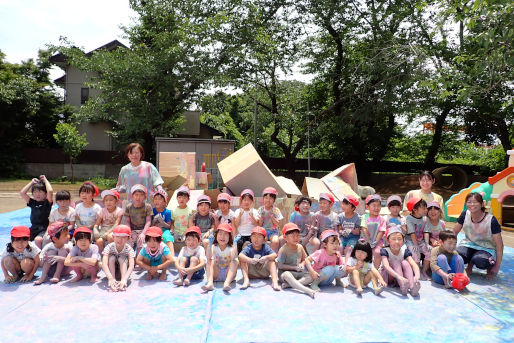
(224, 214)
(445, 261)
(397, 263)
(221, 259)
(417, 237)
(257, 260)
(204, 219)
(374, 226)
(54, 253)
(434, 224)
(327, 262)
(270, 216)
(87, 211)
(246, 218)
(108, 218)
(20, 258)
(325, 218)
(64, 212)
(162, 218)
(181, 214)
(40, 206)
(350, 223)
(302, 217)
(118, 259)
(84, 256)
(191, 260)
(394, 218)
(154, 256)
(138, 216)
(361, 269)
(291, 262)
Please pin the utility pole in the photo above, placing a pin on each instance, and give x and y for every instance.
(255, 124)
(308, 141)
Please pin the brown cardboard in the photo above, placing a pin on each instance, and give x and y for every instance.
(172, 164)
(201, 180)
(312, 187)
(288, 186)
(172, 183)
(347, 173)
(338, 187)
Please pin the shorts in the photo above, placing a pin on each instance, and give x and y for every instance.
(167, 236)
(37, 231)
(349, 241)
(271, 232)
(296, 275)
(102, 232)
(259, 270)
(198, 275)
(223, 274)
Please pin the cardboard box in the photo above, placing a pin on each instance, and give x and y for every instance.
(347, 173)
(312, 187)
(288, 186)
(172, 183)
(338, 187)
(172, 164)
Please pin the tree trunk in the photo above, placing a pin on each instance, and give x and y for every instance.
(72, 171)
(438, 133)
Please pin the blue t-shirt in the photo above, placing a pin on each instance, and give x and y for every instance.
(157, 257)
(166, 215)
(302, 221)
(250, 252)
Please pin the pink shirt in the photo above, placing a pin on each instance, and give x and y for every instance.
(108, 218)
(322, 259)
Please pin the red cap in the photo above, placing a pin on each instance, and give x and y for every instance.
(112, 192)
(327, 196)
(247, 191)
(95, 194)
(55, 228)
(20, 231)
(289, 227)
(225, 227)
(224, 196)
(327, 233)
(372, 197)
(460, 281)
(194, 229)
(412, 202)
(269, 190)
(121, 230)
(352, 200)
(82, 229)
(138, 187)
(260, 230)
(154, 231)
(163, 193)
(203, 199)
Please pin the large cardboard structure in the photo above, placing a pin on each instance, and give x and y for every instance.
(175, 166)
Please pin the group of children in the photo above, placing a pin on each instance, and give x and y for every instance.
(309, 251)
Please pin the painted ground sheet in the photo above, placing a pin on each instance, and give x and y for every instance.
(156, 311)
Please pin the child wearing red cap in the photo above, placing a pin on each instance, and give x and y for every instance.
(118, 259)
(246, 218)
(327, 262)
(324, 219)
(191, 260)
(445, 261)
(350, 224)
(54, 253)
(224, 214)
(270, 216)
(417, 236)
(302, 217)
(138, 216)
(20, 258)
(108, 218)
(257, 260)
(84, 256)
(40, 206)
(434, 224)
(374, 226)
(291, 262)
(87, 211)
(162, 218)
(204, 218)
(154, 256)
(221, 259)
(181, 214)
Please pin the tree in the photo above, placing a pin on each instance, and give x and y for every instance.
(71, 141)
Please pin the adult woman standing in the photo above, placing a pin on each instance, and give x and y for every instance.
(426, 181)
(138, 172)
(483, 245)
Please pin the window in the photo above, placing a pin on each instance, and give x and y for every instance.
(84, 95)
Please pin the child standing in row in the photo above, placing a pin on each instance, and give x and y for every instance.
(417, 236)
(118, 259)
(434, 224)
(181, 214)
(20, 258)
(224, 214)
(87, 211)
(191, 260)
(397, 263)
(291, 262)
(162, 218)
(394, 218)
(108, 218)
(258, 260)
(327, 262)
(374, 226)
(83, 257)
(204, 219)
(221, 259)
(445, 260)
(154, 256)
(350, 223)
(270, 216)
(302, 217)
(138, 215)
(361, 269)
(54, 253)
(325, 218)
(40, 206)
(246, 218)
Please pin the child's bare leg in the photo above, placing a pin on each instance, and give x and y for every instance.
(26, 265)
(60, 266)
(306, 280)
(100, 244)
(39, 242)
(210, 278)
(347, 253)
(193, 262)
(46, 267)
(123, 269)
(275, 243)
(149, 275)
(296, 284)
(274, 276)
(244, 271)
(163, 275)
(231, 274)
(79, 275)
(357, 281)
(377, 259)
(12, 265)
(172, 251)
(179, 280)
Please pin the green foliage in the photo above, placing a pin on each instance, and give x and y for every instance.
(70, 140)
(104, 183)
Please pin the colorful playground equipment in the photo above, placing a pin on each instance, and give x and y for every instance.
(498, 192)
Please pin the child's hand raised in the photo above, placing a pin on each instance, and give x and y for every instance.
(42, 178)
(35, 180)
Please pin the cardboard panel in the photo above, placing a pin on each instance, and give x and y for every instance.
(288, 186)
(312, 187)
(172, 164)
(338, 187)
(347, 173)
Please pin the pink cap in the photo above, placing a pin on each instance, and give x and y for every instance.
(137, 188)
(163, 193)
(111, 192)
(434, 204)
(327, 233)
(203, 199)
(393, 198)
(225, 227)
(224, 196)
(247, 191)
(269, 190)
(327, 196)
(55, 228)
(183, 189)
(372, 197)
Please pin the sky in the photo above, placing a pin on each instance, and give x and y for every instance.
(28, 25)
